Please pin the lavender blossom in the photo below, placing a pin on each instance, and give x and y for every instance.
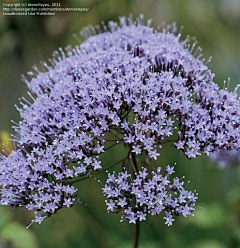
(135, 198)
(140, 85)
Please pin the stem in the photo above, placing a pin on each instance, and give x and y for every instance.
(111, 140)
(169, 140)
(116, 135)
(136, 234)
(132, 158)
(104, 169)
(126, 114)
(112, 146)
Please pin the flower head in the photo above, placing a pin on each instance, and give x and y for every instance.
(139, 84)
(147, 194)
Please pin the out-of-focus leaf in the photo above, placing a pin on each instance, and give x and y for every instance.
(208, 244)
(5, 139)
(5, 215)
(213, 216)
(19, 236)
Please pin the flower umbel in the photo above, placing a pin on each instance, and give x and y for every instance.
(126, 83)
(135, 199)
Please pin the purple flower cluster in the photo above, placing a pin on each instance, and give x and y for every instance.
(132, 68)
(134, 199)
(32, 181)
(126, 81)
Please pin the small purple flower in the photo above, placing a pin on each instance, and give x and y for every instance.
(168, 218)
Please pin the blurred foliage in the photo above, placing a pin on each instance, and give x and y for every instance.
(5, 142)
(13, 234)
(26, 40)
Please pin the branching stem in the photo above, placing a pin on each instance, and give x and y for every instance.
(115, 134)
(104, 169)
(112, 146)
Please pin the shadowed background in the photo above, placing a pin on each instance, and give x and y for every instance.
(26, 40)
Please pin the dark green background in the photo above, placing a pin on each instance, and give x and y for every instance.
(26, 40)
